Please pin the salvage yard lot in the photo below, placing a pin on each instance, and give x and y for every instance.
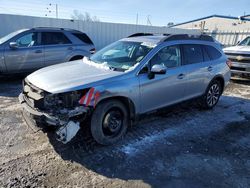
(183, 147)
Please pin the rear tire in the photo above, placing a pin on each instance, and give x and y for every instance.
(212, 95)
(109, 122)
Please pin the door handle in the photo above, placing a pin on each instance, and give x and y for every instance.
(38, 51)
(70, 48)
(180, 76)
(210, 68)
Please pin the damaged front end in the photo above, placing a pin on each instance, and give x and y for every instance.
(63, 111)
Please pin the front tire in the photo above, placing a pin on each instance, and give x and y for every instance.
(212, 95)
(109, 122)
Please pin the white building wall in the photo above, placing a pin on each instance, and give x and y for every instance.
(215, 23)
(101, 33)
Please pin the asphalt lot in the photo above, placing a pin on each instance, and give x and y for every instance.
(181, 147)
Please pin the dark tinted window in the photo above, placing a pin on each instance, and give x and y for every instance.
(205, 54)
(49, 38)
(212, 52)
(245, 42)
(192, 54)
(83, 37)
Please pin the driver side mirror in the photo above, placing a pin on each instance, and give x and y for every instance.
(13, 45)
(158, 69)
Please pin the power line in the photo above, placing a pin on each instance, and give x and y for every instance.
(66, 12)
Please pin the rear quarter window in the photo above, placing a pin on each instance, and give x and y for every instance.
(212, 52)
(83, 37)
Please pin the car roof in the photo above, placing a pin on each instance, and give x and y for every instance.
(159, 38)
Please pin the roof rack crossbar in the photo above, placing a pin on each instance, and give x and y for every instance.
(189, 37)
(140, 34)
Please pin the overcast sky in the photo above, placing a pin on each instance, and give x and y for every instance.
(160, 12)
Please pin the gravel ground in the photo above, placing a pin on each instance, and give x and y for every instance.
(183, 146)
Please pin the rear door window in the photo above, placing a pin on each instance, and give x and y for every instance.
(192, 54)
(212, 52)
(83, 37)
(54, 38)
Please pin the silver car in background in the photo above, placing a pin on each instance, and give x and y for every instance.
(131, 77)
(27, 50)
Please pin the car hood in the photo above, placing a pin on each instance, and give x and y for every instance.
(69, 76)
(238, 49)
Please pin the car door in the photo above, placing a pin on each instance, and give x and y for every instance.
(197, 69)
(162, 89)
(27, 55)
(57, 47)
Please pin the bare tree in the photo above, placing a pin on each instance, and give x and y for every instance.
(84, 16)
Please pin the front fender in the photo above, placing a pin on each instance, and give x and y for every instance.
(123, 89)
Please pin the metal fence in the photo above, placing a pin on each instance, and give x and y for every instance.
(229, 38)
(101, 33)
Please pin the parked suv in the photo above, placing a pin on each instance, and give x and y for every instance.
(27, 50)
(130, 77)
(240, 57)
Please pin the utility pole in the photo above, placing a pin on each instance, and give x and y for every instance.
(137, 19)
(56, 11)
(49, 10)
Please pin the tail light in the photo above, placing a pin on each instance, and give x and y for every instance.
(229, 63)
(92, 51)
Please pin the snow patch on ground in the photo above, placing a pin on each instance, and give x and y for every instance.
(203, 122)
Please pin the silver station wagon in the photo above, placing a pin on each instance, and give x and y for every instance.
(128, 78)
(27, 50)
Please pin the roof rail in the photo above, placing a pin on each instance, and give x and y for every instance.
(56, 28)
(189, 37)
(140, 34)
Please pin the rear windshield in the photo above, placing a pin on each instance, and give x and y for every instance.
(83, 37)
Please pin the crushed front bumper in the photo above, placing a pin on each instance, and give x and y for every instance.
(66, 129)
(39, 120)
(34, 118)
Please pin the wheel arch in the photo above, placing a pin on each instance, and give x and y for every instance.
(129, 104)
(220, 79)
(76, 57)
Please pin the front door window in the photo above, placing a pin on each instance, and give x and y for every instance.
(28, 40)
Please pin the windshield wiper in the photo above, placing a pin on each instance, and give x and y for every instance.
(116, 69)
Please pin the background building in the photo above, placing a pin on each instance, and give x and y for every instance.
(217, 23)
